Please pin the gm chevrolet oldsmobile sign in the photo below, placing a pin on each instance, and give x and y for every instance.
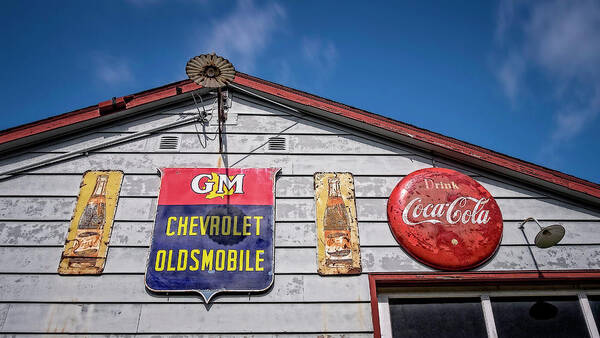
(213, 232)
(445, 219)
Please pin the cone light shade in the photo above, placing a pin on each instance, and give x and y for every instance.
(549, 236)
(210, 70)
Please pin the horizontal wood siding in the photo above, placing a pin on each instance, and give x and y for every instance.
(302, 260)
(188, 318)
(287, 209)
(287, 234)
(35, 209)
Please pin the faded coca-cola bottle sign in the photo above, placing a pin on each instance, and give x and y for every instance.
(445, 219)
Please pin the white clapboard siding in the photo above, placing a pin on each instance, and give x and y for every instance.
(40, 208)
(79, 142)
(17, 161)
(303, 260)
(33, 233)
(289, 163)
(130, 289)
(242, 104)
(42, 185)
(376, 210)
(287, 186)
(191, 131)
(187, 318)
(287, 234)
(3, 313)
(239, 104)
(292, 209)
(244, 124)
(249, 143)
(354, 317)
(72, 318)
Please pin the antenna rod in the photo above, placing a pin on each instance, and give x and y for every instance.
(221, 118)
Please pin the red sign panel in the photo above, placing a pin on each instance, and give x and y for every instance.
(445, 219)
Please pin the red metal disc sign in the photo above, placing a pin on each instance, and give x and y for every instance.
(445, 219)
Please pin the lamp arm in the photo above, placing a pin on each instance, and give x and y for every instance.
(537, 268)
(522, 224)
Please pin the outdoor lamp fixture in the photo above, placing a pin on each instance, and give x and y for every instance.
(548, 236)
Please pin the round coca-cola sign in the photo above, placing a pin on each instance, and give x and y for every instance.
(445, 219)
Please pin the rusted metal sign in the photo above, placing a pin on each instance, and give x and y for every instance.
(338, 248)
(87, 241)
(445, 219)
(214, 231)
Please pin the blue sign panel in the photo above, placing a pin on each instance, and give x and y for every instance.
(214, 231)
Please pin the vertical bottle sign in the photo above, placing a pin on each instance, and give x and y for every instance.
(338, 250)
(445, 219)
(214, 231)
(87, 241)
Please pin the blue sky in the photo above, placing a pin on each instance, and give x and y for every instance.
(518, 77)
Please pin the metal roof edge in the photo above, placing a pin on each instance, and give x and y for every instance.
(429, 140)
(18, 137)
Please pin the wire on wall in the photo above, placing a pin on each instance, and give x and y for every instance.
(202, 119)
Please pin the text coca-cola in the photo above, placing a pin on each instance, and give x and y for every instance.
(463, 209)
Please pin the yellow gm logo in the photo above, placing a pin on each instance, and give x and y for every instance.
(218, 185)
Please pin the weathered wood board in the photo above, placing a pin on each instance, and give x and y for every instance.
(288, 209)
(288, 234)
(130, 289)
(301, 260)
(287, 186)
(291, 164)
(187, 318)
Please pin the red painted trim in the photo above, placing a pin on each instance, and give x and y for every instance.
(443, 278)
(89, 113)
(472, 278)
(423, 135)
(50, 123)
(374, 306)
(400, 128)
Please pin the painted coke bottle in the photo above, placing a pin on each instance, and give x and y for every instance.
(336, 224)
(91, 223)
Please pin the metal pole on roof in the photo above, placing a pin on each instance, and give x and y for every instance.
(220, 118)
(213, 71)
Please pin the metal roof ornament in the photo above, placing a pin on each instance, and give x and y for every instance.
(213, 71)
(210, 70)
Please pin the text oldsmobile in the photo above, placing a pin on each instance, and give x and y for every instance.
(219, 260)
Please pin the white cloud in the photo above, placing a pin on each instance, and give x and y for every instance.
(110, 69)
(510, 74)
(321, 54)
(245, 33)
(559, 40)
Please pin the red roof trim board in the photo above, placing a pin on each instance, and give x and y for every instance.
(426, 136)
(296, 96)
(92, 112)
